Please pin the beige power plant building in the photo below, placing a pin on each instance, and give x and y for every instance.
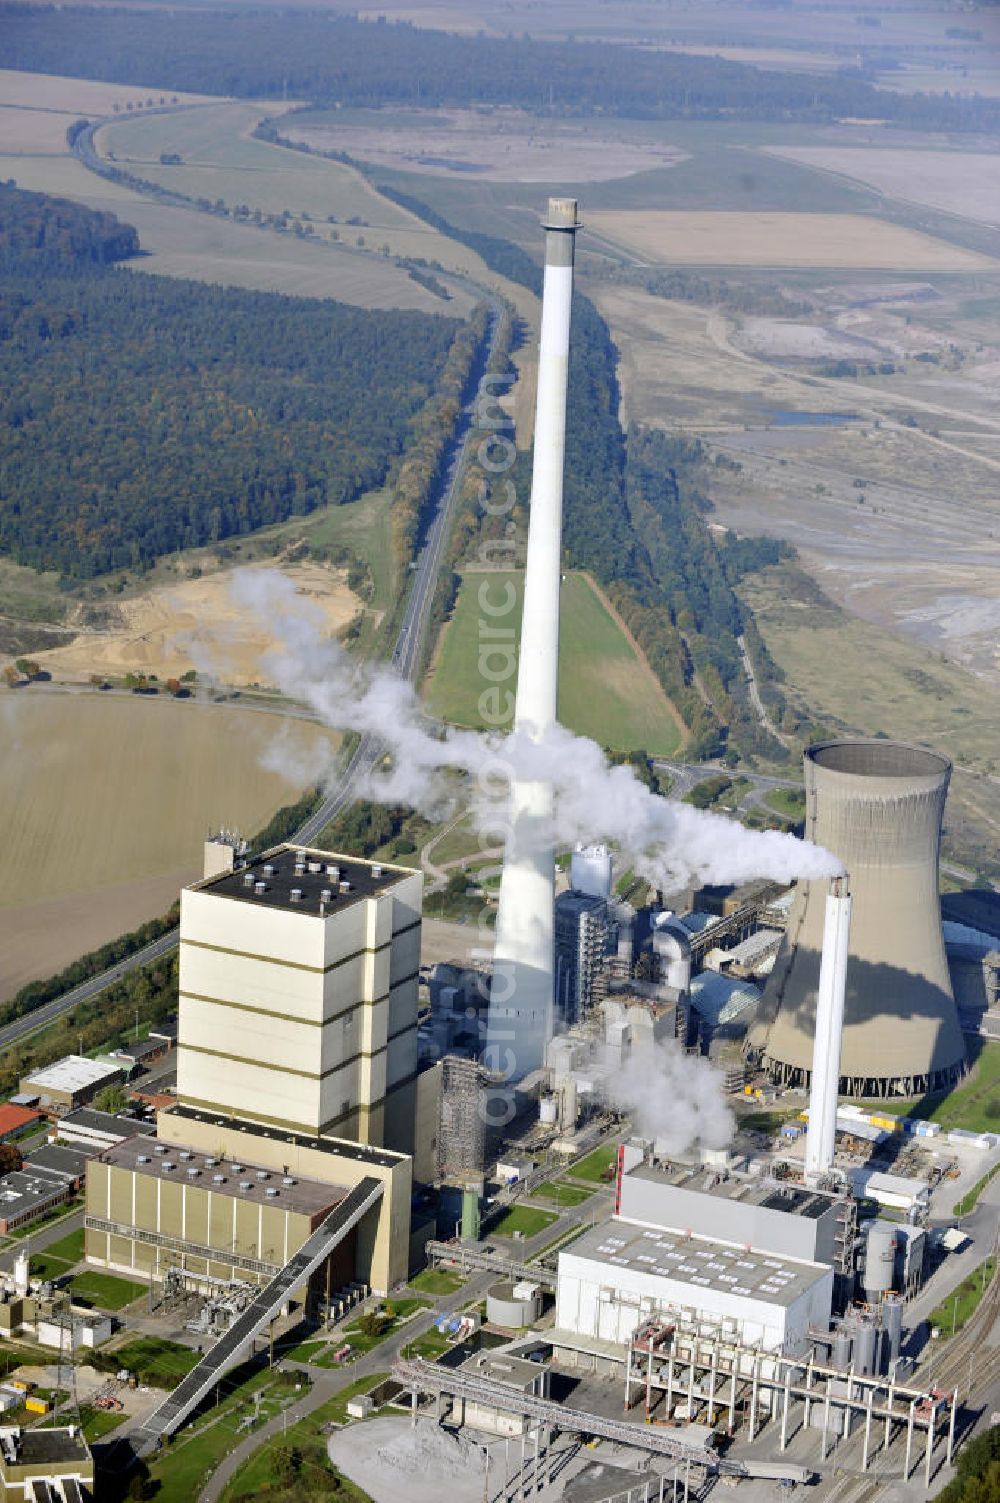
(296, 1081)
(298, 995)
(878, 806)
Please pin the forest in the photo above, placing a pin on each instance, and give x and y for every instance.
(334, 58)
(54, 233)
(140, 415)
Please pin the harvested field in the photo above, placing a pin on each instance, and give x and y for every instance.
(105, 801)
(34, 132)
(606, 688)
(783, 240)
(958, 182)
(194, 624)
(77, 96)
(509, 146)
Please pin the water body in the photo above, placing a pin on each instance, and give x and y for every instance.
(785, 417)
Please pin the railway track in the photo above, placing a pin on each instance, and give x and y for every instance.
(966, 1355)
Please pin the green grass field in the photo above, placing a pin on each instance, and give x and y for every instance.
(220, 159)
(437, 1281)
(562, 1194)
(527, 1220)
(606, 690)
(594, 1168)
(266, 1473)
(952, 1313)
(155, 1361)
(56, 1260)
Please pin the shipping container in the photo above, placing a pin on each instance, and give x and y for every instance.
(37, 1406)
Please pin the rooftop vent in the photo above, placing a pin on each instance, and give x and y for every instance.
(160, 1148)
(218, 1179)
(376, 869)
(271, 1192)
(236, 1168)
(185, 1153)
(248, 879)
(333, 871)
(263, 1174)
(288, 1180)
(260, 888)
(345, 886)
(143, 1158)
(296, 895)
(210, 1163)
(246, 1184)
(193, 1171)
(315, 867)
(325, 895)
(166, 1166)
(268, 869)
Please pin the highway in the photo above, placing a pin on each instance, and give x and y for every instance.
(406, 656)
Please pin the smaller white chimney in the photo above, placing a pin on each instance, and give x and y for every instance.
(822, 1131)
(21, 1273)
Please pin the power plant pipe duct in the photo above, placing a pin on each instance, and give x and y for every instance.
(877, 805)
(521, 995)
(822, 1132)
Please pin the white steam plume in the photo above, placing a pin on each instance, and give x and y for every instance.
(670, 844)
(674, 1098)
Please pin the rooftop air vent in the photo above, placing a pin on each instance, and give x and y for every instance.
(376, 869)
(260, 888)
(236, 1168)
(246, 1184)
(263, 1174)
(315, 867)
(325, 895)
(166, 1166)
(160, 1148)
(218, 1179)
(288, 1180)
(345, 886)
(271, 1192)
(268, 869)
(296, 895)
(193, 1171)
(210, 1163)
(185, 1154)
(333, 871)
(142, 1158)
(248, 879)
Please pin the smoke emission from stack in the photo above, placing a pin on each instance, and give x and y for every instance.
(669, 844)
(673, 1098)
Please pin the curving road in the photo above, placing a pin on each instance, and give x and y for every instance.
(406, 657)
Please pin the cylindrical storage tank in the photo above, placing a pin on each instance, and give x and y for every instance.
(877, 805)
(842, 1344)
(569, 1106)
(470, 1216)
(548, 1111)
(892, 1325)
(880, 1255)
(590, 870)
(513, 1306)
(865, 1345)
(21, 1273)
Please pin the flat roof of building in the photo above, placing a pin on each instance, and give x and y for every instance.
(225, 1176)
(22, 1191)
(772, 1195)
(74, 1073)
(87, 1119)
(341, 1148)
(60, 1159)
(325, 881)
(32, 1446)
(13, 1118)
(701, 1262)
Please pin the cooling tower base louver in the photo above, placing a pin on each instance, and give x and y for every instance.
(877, 805)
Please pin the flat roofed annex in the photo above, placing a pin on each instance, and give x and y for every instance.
(224, 1175)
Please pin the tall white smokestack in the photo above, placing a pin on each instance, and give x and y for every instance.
(521, 997)
(822, 1131)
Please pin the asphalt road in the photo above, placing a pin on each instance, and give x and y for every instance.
(406, 657)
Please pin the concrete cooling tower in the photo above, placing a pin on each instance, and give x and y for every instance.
(878, 806)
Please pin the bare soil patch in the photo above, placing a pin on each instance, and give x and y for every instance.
(509, 147)
(195, 624)
(720, 238)
(959, 182)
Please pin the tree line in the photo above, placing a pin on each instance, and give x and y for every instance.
(142, 415)
(338, 59)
